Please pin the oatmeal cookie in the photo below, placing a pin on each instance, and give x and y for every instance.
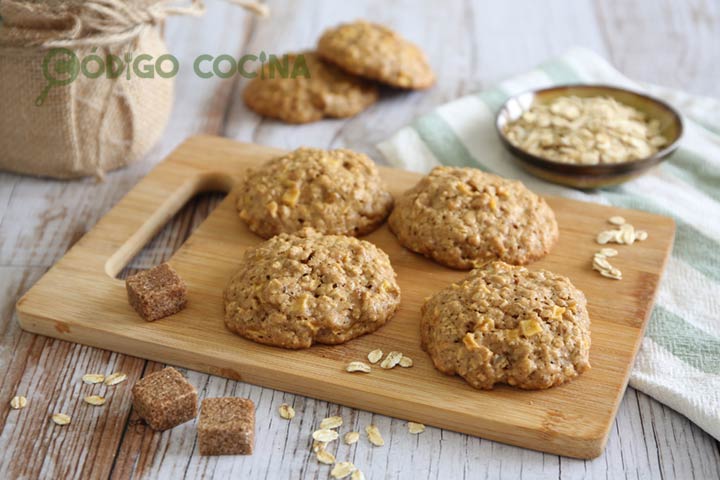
(506, 324)
(332, 191)
(376, 52)
(327, 92)
(462, 217)
(295, 290)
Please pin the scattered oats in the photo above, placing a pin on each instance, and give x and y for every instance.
(415, 428)
(601, 263)
(614, 274)
(317, 446)
(374, 436)
(358, 367)
(351, 437)
(405, 362)
(624, 234)
(617, 236)
(286, 411)
(616, 220)
(628, 234)
(358, 475)
(375, 356)
(586, 131)
(323, 456)
(331, 422)
(325, 435)
(93, 378)
(342, 469)
(114, 379)
(605, 237)
(61, 419)
(96, 400)
(18, 402)
(392, 359)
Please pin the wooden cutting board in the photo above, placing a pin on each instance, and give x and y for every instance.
(80, 300)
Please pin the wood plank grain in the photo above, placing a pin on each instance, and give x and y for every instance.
(42, 220)
(174, 234)
(572, 420)
(48, 373)
(15, 345)
(474, 30)
(681, 446)
(665, 42)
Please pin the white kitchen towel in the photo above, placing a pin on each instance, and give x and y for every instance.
(679, 360)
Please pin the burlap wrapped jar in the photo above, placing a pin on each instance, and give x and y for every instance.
(90, 125)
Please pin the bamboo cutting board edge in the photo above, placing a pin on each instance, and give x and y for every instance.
(204, 163)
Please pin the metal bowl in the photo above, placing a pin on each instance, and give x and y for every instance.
(591, 176)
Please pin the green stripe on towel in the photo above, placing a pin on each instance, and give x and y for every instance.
(442, 141)
(684, 340)
(560, 72)
(494, 98)
(693, 169)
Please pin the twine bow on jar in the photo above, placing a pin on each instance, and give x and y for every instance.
(94, 123)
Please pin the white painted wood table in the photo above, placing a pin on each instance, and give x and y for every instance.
(471, 45)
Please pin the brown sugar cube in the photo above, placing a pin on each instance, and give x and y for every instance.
(165, 399)
(226, 426)
(156, 293)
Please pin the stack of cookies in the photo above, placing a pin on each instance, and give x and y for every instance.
(313, 282)
(342, 75)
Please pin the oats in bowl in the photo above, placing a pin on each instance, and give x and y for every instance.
(586, 131)
(588, 136)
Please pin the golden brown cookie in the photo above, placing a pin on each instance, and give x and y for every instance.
(333, 191)
(505, 324)
(327, 92)
(295, 290)
(376, 52)
(462, 217)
